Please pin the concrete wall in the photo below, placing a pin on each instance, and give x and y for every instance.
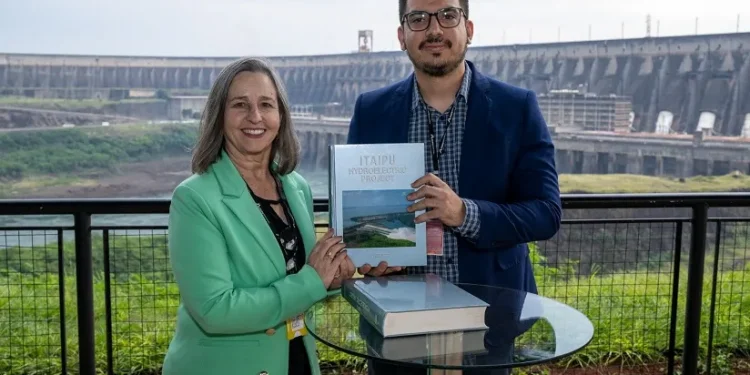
(683, 156)
(685, 76)
(314, 144)
(185, 107)
(589, 152)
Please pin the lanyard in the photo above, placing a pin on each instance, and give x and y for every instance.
(434, 150)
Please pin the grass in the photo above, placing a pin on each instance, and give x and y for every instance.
(33, 184)
(629, 310)
(587, 184)
(628, 183)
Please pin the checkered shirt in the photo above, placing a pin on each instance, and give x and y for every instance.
(446, 265)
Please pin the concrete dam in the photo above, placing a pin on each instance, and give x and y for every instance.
(673, 85)
(675, 106)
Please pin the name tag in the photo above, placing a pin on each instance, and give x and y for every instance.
(434, 237)
(295, 327)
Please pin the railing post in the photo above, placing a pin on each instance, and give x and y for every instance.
(85, 294)
(695, 289)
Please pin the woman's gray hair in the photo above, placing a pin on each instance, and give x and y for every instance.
(285, 149)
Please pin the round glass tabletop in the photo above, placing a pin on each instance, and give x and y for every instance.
(523, 329)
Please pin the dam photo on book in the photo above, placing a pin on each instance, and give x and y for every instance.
(378, 218)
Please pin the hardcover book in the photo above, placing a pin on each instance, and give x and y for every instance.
(435, 346)
(369, 185)
(403, 305)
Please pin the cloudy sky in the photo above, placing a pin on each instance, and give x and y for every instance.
(301, 27)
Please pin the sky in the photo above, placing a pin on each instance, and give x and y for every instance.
(309, 27)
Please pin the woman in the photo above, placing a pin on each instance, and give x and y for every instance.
(241, 238)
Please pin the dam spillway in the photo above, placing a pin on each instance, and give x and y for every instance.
(675, 84)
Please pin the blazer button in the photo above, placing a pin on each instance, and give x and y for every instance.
(270, 331)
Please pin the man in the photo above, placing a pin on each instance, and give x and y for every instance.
(491, 144)
(491, 184)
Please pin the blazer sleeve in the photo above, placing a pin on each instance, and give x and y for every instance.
(535, 211)
(201, 266)
(311, 209)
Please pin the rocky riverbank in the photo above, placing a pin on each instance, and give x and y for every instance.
(149, 179)
(144, 179)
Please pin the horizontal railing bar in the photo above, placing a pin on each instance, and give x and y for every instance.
(627, 221)
(729, 219)
(37, 228)
(564, 221)
(130, 227)
(655, 200)
(84, 205)
(96, 206)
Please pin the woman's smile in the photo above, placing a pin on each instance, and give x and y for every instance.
(254, 133)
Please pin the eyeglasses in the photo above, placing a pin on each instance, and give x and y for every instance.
(419, 20)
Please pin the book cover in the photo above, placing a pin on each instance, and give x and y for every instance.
(403, 305)
(369, 185)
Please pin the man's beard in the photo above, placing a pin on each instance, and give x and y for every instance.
(438, 69)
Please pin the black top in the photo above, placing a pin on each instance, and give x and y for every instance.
(290, 242)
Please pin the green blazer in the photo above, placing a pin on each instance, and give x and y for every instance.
(235, 294)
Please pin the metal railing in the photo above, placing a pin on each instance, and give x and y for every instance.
(618, 258)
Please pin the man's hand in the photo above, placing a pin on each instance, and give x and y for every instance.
(381, 269)
(444, 204)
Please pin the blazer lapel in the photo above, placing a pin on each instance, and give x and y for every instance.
(296, 198)
(478, 115)
(241, 203)
(396, 113)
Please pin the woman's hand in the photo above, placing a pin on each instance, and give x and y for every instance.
(327, 256)
(346, 271)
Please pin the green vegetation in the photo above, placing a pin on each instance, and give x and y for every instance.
(628, 183)
(75, 152)
(81, 105)
(372, 239)
(630, 310)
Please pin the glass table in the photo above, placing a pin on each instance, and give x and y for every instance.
(524, 329)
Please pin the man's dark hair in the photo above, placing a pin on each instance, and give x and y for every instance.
(402, 8)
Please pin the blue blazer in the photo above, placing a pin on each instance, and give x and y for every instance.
(507, 167)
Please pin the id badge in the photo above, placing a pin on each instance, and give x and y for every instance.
(435, 237)
(295, 327)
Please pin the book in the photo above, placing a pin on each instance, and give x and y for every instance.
(403, 305)
(368, 189)
(419, 347)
